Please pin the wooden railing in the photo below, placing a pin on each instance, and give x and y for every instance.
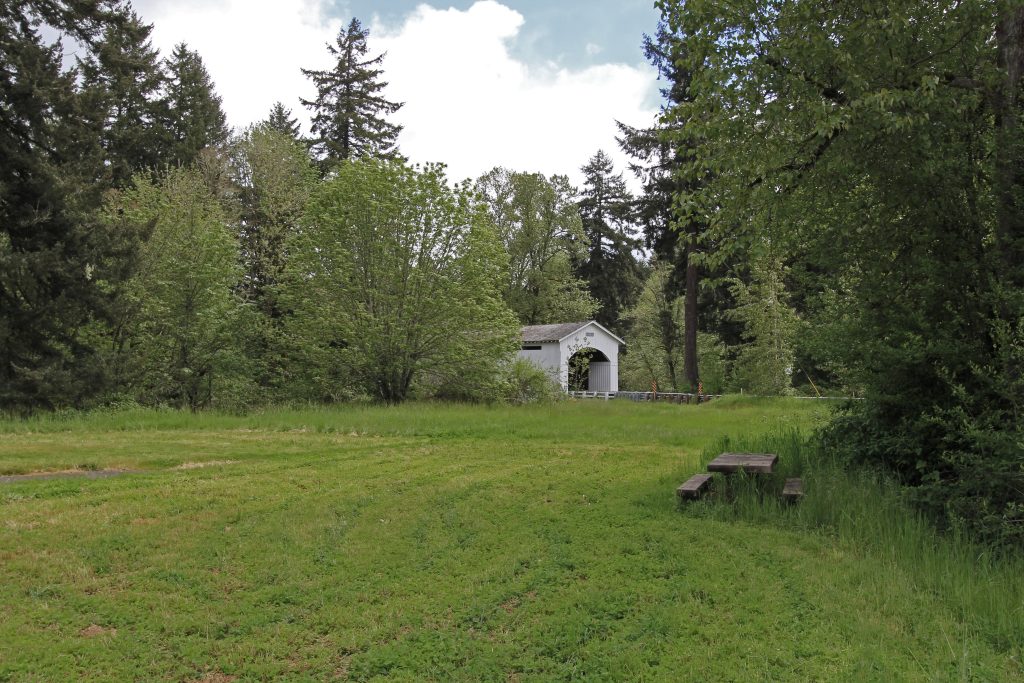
(666, 397)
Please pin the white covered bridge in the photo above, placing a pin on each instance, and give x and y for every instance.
(581, 356)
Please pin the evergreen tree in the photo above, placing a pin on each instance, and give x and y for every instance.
(196, 120)
(121, 82)
(55, 262)
(610, 268)
(658, 159)
(349, 109)
(281, 120)
(665, 166)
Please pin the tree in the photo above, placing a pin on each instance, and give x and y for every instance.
(539, 224)
(609, 267)
(122, 82)
(54, 257)
(273, 177)
(281, 120)
(349, 110)
(196, 120)
(665, 166)
(765, 363)
(396, 278)
(185, 308)
(655, 356)
(871, 138)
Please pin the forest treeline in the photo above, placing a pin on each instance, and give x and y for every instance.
(831, 200)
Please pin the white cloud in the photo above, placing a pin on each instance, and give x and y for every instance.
(252, 49)
(468, 101)
(471, 104)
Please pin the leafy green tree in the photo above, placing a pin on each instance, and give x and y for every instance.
(349, 110)
(122, 83)
(396, 279)
(765, 362)
(196, 120)
(273, 178)
(873, 139)
(54, 257)
(654, 356)
(655, 353)
(186, 312)
(610, 267)
(539, 224)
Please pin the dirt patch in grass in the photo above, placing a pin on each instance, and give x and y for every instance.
(95, 631)
(214, 677)
(208, 463)
(65, 474)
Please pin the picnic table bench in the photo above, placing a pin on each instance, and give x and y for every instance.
(730, 463)
(756, 463)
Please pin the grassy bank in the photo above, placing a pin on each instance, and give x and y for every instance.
(434, 542)
(864, 510)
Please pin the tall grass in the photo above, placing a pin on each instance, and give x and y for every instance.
(864, 508)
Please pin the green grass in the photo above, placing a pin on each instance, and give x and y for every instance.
(436, 542)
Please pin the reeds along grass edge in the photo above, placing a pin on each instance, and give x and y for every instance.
(865, 511)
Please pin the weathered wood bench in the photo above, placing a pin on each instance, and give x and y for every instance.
(793, 490)
(756, 463)
(694, 487)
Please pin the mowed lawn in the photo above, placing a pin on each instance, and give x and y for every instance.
(433, 542)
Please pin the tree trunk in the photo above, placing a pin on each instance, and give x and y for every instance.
(690, 315)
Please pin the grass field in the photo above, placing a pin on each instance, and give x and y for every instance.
(433, 542)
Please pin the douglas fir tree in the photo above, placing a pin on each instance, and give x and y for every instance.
(349, 109)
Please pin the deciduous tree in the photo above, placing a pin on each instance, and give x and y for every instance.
(539, 224)
(872, 137)
(396, 278)
(184, 324)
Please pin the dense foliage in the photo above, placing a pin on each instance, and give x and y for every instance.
(609, 265)
(396, 277)
(876, 146)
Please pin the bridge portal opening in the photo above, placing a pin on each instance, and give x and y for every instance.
(590, 370)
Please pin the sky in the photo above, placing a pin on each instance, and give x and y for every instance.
(532, 85)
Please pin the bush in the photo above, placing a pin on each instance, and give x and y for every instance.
(525, 382)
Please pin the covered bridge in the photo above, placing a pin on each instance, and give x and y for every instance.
(582, 356)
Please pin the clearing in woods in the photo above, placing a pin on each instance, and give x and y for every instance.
(435, 542)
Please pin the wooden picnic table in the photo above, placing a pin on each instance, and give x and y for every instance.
(756, 463)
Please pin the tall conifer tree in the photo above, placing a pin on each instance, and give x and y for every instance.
(52, 254)
(349, 110)
(610, 268)
(280, 119)
(196, 118)
(663, 158)
(121, 83)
